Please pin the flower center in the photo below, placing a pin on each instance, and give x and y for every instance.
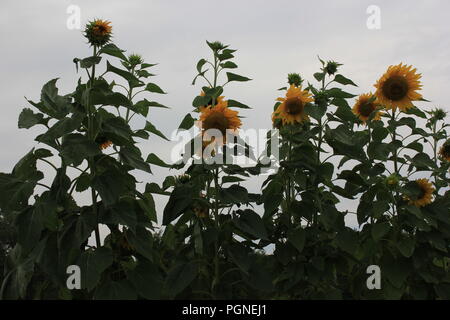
(421, 193)
(100, 30)
(216, 121)
(366, 109)
(294, 106)
(395, 88)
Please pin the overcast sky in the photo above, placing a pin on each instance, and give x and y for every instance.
(273, 38)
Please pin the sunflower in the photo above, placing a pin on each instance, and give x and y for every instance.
(425, 194)
(98, 32)
(218, 117)
(444, 152)
(105, 145)
(398, 87)
(292, 107)
(365, 106)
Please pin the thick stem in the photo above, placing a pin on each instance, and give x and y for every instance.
(217, 224)
(91, 163)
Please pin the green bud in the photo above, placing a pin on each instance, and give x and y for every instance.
(295, 79)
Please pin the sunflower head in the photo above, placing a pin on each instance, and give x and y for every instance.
(295, 79)
(365, 106)
(423, 195)
(292, 107)
(220, 118)
(98, 32)
(444, 152)
(398, 87)
(103, 142)
(200, 208)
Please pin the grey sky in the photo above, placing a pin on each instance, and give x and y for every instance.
(273, 38)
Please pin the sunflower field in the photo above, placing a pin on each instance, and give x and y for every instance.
(388, 151)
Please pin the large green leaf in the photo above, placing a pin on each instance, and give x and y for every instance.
(180, 276)
(28, 119)
(250, 222)
(92, 263)
(76, 147)
(147, 280)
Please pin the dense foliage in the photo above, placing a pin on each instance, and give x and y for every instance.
(219, 241)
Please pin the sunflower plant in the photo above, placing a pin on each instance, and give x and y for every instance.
(89, 149)
(208, 206)
(402, 210)
(313, 247)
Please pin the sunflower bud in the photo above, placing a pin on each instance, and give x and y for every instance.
(98, 32)
(135, 59)
(331, 67)
(439, 114)
(392, 180)
(216, 46)
(183, 179)
(321, 99)
(295, 79)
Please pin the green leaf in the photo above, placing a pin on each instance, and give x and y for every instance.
(319, 76)
(28, 119)
(29, 227)
(123, 73)
(92, 263)
(297, 238)
(15, 192)
(237, 104)
(154, 88)
(88, 62)
(180, 276)
(241, 256)
(151, 128)
(251, 223)
(52, 104)
(343, 80)
(63, 126)
(379, 230)
(111, 185)
(406, 246)
(132, 157)
(179, 200)
(236, 77)
(347, 240)
(234, 194)
(123, 213)
(76, 147)
(147, 280)
(142, 242)
(229, 65)
(338, 93)
(187, 122)
(112, 50)
(154, 159)
(147, 204)
(200, 65)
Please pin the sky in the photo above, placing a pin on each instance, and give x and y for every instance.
(273, 38)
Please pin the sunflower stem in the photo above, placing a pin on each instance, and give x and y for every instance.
(217, 223)
(91, 136)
